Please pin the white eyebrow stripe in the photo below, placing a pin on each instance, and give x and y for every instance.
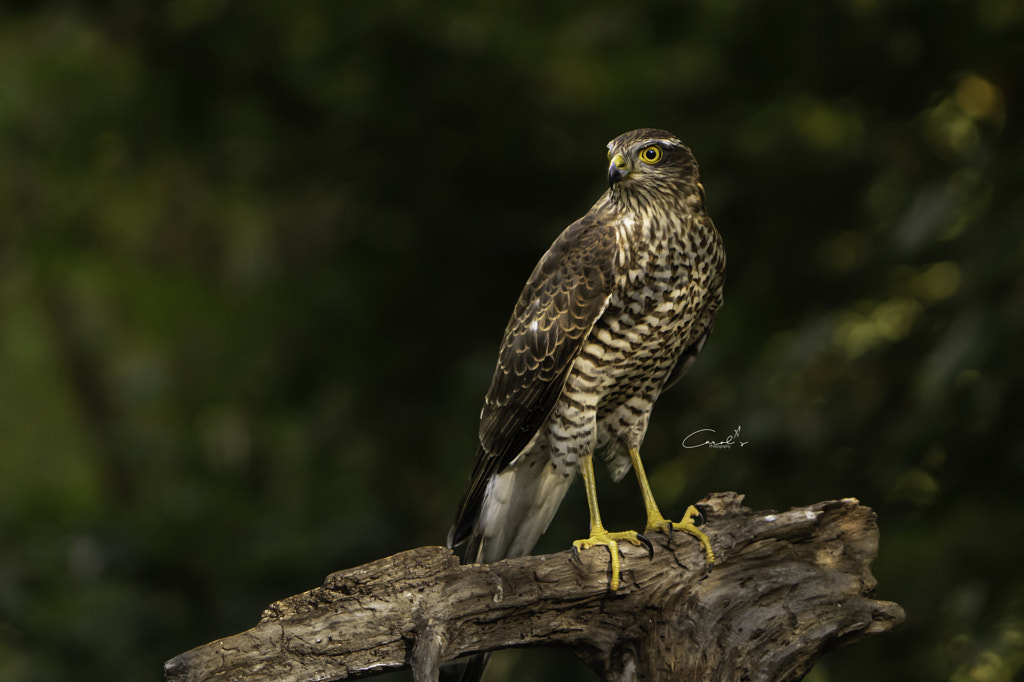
(664, 142)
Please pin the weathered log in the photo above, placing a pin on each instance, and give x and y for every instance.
(787, 588)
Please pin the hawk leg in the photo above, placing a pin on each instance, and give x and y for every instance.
(655, 520)
(598, 534)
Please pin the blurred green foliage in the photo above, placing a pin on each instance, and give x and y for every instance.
(256, 258)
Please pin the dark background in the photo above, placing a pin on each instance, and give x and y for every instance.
(256, 258)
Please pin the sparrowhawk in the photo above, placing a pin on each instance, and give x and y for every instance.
(614, 313)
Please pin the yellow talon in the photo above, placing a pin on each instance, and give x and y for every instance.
(658, 522)
(655, 520)
(600, 536)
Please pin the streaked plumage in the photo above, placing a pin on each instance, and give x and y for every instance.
(614, 313)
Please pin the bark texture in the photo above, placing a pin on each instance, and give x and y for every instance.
(787, 587)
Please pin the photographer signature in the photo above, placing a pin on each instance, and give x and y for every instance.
(691, 441)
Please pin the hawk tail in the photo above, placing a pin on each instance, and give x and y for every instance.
(514, 511)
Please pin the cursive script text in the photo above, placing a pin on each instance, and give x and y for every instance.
(694, 440)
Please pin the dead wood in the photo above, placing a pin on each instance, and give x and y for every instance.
(787, 588)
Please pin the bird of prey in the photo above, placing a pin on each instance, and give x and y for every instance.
(614, 313)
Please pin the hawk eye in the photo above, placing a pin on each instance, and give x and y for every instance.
(651, 155)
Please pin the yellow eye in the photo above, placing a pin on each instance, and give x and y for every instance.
(651, 155)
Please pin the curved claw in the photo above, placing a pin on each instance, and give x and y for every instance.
(576, 556)
(646, 543)
(601, 537)
(687, 526)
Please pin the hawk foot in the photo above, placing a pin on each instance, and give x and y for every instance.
(687, 526)
(600, 536)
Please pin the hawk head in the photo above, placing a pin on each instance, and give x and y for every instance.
(650, 162)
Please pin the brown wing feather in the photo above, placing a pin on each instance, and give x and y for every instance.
(566, 294)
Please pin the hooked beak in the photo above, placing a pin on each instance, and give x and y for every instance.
(617, 170)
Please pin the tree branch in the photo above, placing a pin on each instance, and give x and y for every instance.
(787, 588)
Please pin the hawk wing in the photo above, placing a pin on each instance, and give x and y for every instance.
(566, 294)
